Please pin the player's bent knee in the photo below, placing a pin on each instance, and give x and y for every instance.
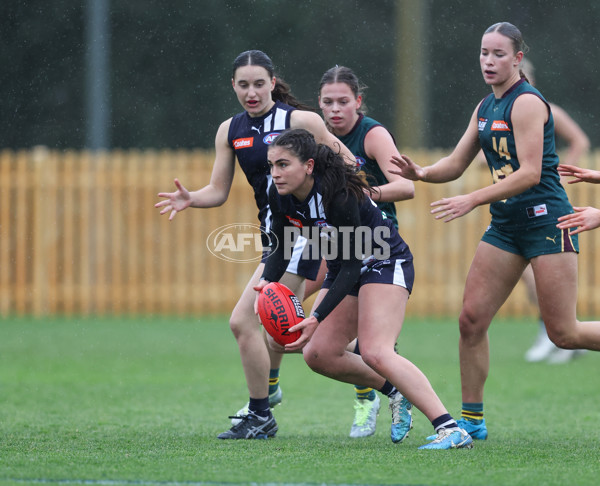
(564, 340)
(373, 359)
(314, 361)
(317, 359)
(240, 325)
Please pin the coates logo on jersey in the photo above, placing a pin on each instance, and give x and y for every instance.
(360, 162)
(268, 140)
(296, 222)
(242, 143)
(500, 126)
(481, 123)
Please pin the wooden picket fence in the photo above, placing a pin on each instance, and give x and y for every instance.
(79, 235)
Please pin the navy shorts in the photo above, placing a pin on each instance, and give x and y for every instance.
(392, 272)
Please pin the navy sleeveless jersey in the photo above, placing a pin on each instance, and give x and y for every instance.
(250, 139)
(356, 235)
(310, 213)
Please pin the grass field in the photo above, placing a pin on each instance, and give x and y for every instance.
(140, 401)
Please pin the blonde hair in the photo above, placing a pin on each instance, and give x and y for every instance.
(527, 70)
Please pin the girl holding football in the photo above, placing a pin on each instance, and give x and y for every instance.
(515, 128)
(369, 279)
(341, 101)
(269, 108)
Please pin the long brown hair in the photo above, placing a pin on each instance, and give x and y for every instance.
(334, 174)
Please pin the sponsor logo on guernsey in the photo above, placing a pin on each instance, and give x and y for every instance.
(270, 138)
(296, 222)
(481, 123)
(241, 143)
(536, 211)
(360, 162)
(500, 125)
(321, 223)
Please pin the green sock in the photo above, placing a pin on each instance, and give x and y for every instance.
(273, 381)
(363, 393)
(473, 412)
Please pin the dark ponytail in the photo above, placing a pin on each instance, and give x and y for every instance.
(282, 91)
(334, 174)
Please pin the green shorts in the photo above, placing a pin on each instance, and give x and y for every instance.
(531, 241)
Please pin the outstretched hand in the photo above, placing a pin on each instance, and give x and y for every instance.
(579, 174)
(175, 201)
(584, 219)
(407, 168)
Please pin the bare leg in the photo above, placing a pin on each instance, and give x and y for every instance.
(247, 331)
(381, 315)
(529, 281)
(492, 276)
(326, 352)
(556, 282)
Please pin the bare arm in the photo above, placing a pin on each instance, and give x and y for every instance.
(212, 195)
(568, 129)
(528, 117)
(314, 124)
(380, 146)
(447, 168)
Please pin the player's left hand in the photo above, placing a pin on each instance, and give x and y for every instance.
(451, 208)
(307, 327)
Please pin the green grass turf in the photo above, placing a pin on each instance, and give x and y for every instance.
(140, 401)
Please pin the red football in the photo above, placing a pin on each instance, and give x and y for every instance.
(279, 309)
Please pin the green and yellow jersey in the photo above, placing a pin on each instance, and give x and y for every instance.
(541, 204)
